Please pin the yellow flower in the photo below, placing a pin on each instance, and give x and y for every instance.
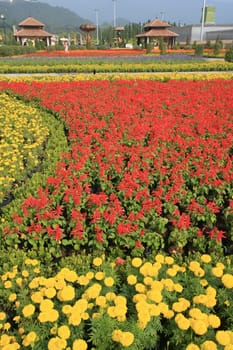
(223, 338)
(198, 326)
(48, 316)
(227, 280)
(46, 305)
(159, 258)
(2, 316)
(63, 332)
(132, 279)
(29, 339)
(171, 272)
(214, 321)
(12, 297)
(37, 297)
(28, 310)
(8, 284)
(136, 262)
(50, 292)
(79, 344)
(127, 339)
(97, 261)
(110, 296)
(25, 273)
(93, 291)
(217, 272)
(140, 288)
(67, 293)
(109, 281)
(57, 344)
(101, 301)
(206, 258)
(208, 345)
(99, 275)
(169, 260)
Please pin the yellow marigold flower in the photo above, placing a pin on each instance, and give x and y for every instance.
(146, 269)
(21, 330)
(209, 345)
(214, 321)
(203, 282)
(97, 261)
(101, 301)
(163, 308)
(155, 295)
(67, 309)
(46, 305)
(28, 310)
(206, 258)
(154, 310)
(131, 279)
(183, 323)
(139, 297)
(99, 275)
(148, 281)
(136, 262)
(79, 344)
(216, 271)
(220, 265)
(63, 332)
(67, 293)
(223, 338)
(71, 276)
(199, 272)
(80, 305)
(83, 280)
(110, 296)
(29, 339)
(48, 316)
(140, 288)
(194, 265)
(200, 299)
(195, 313)
(168, 284)
(198, 326)
(171, 272)
(169, 260)
(178, 287)
(8, 284)
(90, 275)
(227, 280)
(50, 292)
(37, 297)
(109, 281)
(53, 330)
(25, 273)
(127, 339)
(57, 344)
(159, 258)
(93, 291)
(35, 282)
(211, 301)
(16, 319)
(60, 284)
(96, 315)
(7, 326)
(74, 319)
(111, 311)
(5, 340)
(192, 346)
(228, 347)
(12, 297)
(2, 316)
(211, 292)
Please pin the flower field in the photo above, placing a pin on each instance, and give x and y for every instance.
(121, 237)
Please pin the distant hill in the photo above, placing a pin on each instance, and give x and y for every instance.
(56, 19)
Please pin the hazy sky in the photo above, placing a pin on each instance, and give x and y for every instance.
(183, 11)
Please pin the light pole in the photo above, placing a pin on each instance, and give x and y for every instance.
(203, 20)
(97, 25)
(3, 18)
(114, 13)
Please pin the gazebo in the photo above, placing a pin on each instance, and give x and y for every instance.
(155, 31)
(31, 30)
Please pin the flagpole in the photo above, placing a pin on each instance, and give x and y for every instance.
(203, 19)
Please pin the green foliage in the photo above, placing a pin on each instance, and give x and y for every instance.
(229, 55)
(199, 49)
(13, 50)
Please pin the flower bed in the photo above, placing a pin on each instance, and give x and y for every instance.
(145, 175)
(133, 304)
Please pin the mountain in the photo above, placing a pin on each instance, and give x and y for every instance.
(56, 19)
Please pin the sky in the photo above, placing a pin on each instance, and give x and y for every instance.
(179, 11)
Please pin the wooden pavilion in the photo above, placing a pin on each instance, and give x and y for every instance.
(155, 31)
(32, 30)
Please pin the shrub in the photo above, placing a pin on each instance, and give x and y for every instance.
(229, 55)
(199, 50)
